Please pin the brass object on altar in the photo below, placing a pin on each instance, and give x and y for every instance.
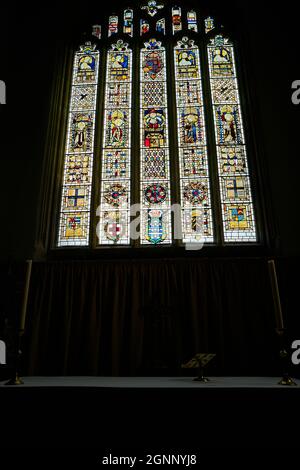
(199, 361)
(286, 380)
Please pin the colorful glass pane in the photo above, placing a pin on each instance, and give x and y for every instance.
(128, 22)
(209, 24)
(152, 7)
(97, 31)
(176, 19)
(113, 227)
(234, 180)
(161, 26)
(194, 177)
(192, 21)
(144, 27)
(155, 172)
(77, 179)
(112, 25)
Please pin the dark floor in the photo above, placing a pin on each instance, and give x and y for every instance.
(172, 413)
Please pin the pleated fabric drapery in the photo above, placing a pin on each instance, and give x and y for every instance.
(148, 316)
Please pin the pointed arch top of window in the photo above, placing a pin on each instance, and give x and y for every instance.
(152, 44)
(152, 7)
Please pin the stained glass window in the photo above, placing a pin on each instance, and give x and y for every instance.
(152, 7)
(192, 21)
(161, 26)
(97, 31)
(78, 166)
(234, 181)
(192, 147)
(176, 19)
(112, 25)
(155, 172)
(144, 27)
(128, 22)
(209, 24)
(187, 170)
(113, 227)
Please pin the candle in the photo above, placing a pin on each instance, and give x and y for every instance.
(25, 296)
(276, 296)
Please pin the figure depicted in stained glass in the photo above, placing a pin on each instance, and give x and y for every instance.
(228, 125)
(81, 132)
(86, 68)
(222, 62)
(119, 66)
(187, 63)
(117, 130)
(153, 64)
(191, 125)
(196, 223)
(154, 127)
(144, 27)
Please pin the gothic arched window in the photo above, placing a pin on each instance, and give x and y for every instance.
(155, 148)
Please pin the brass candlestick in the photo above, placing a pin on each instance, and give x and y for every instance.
(284, 359)
(16, 379)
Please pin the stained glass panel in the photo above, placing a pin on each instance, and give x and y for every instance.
(209, 24)
(152, 7)
(154, 138)
(112, 25)
(113, 227)
(97, 31)
(194, 177)
(161, 26)
(128, 22)
(192, 21)
(144, 27)
(234, 180)
(176, 19)
(78, 166)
